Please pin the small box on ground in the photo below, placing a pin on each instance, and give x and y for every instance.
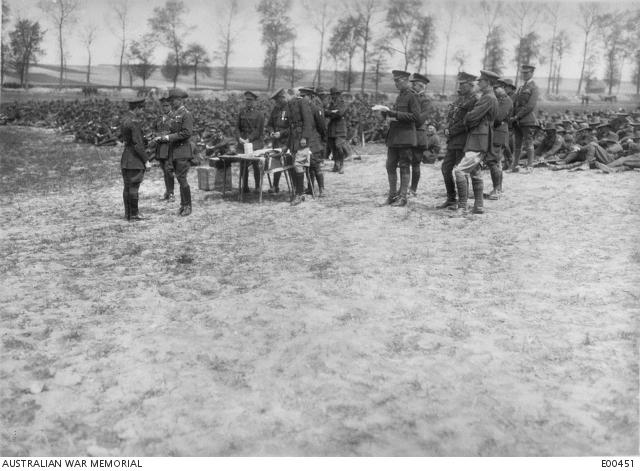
(212, 179)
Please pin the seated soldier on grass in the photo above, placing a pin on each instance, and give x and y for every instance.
(586, 156)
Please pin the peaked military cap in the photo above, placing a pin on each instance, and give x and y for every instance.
(164, 99)
(400, 74)
(135, 103)
(250, 94)
(178, 93)
(306, 91)
(419, 78)
(277, 93)
(321, 91)
(489, 76)
(335, 91)
(507, 82)
(465, 77)
(528, 68)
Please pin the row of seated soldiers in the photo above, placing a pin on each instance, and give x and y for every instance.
(97, 121)
(609, 141)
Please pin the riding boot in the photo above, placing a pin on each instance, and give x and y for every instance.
(393, 183)
(496, 174)
(187, 202)
(463, 189)
(405, 177)
(127, 206)
(478, 187)
(415, 177)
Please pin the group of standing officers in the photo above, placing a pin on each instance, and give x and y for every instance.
(479, 124)
(309, 125)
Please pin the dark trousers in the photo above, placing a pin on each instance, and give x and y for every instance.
(315, 169)
(524, 143)
(256, 175)
(336, 147)
(399, 157)
(182, 171)
(132, 178)
(418, 155)
(451, 159)
(167, 172)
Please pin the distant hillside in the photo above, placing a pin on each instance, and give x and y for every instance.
(242, 78)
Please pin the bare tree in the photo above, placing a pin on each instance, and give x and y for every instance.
(589, 13)
(378, 60)
(344, 42)
(561, 46)
(6, 50)
(452, 10)
(62, 13)
(88, 36)
(423, 41)
(321, 20)
(227, 36)
(121, 13)
(365, 11)
(552, 11)
(524, 17)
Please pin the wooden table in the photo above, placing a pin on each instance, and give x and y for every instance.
(244, 160)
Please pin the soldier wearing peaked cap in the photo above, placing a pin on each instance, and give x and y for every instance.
(249, 130)
(180, 151)
(479, 121)
(401, 138)
(134, 158)
(419, 86)
(160, 127)
(278, 126)
(456, 133)
(524, 117)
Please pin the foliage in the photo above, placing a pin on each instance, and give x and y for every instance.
(402, 20)
(276, 32)
(25, 42)
(167, 22)
(140, 53)
(423, 41)
(495, 50)
(527, 49)
(345, 39)
(196, 58)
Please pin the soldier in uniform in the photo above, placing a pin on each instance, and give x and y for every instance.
(249, 129)
(479, 121)
(180, 151)
(161, 128)
(456, 134)
(500, 140)
(279, 126)
(313, 129)
(524, 118)
(401, 138)
(337, 129)
(419, 86)
(134, 158)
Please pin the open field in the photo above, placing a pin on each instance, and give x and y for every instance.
(337, 327)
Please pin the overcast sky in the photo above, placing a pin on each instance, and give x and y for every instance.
(249, 52)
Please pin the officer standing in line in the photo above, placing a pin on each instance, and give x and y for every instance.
(249, 129)
(161, 128)
(180, 152)
(279, 126)
(479, 121)
(510, 89)
(401, 138)
(314, 131)
(524, 119)
(337, 129)
(419, 85)
(500, 140)
(134, 158)
(456, 134)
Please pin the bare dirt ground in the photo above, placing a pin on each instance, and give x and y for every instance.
(337, 327)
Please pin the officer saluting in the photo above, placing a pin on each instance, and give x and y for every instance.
(134, 158)
(401, 138)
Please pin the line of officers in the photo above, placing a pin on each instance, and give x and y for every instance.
(311, 122)
(478, 132)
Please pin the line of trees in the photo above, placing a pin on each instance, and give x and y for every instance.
(359, 39)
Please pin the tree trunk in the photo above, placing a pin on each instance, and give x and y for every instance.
(61, 53)
(195, 76)
(349, 71)
(584, 60)
(121, 65)
(321, 54)
(365, 46)
(89, 69)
